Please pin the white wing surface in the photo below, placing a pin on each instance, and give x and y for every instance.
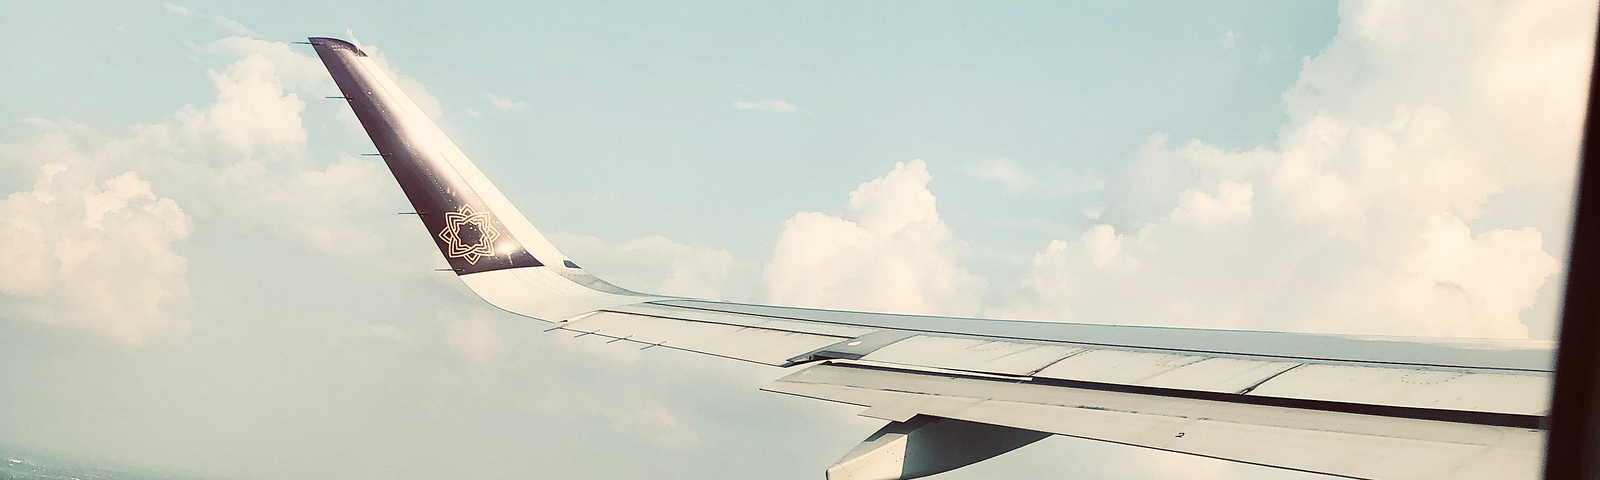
(956, 390)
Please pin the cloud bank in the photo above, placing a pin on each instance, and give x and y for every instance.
(95, 243)
(1396, 200)
(889, 252)
(1375, 211)
(92, 253)
(1366, 216)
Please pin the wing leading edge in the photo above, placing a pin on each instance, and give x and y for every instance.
(957, 390)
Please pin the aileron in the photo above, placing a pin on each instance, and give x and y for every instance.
(1353, 445)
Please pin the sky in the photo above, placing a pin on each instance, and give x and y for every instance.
(200, 272)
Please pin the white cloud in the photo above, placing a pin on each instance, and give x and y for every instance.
(264, 173)
(1290, 245)
(252, 110)
(1231, 205)
(1364, 216)
(891, 253)
(474, 336)
(1511, 76)
(1228, 39)
(1014, 179)
(94, 254)
(505, 104)
(474, 113)
(222, 22)
(1403, 132)
(100, 223)
(774, 106)
(1002, 171)
(295, 68)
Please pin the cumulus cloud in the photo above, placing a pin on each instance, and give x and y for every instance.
(1361, 218)
(253, 112)
(1228, 39)
(505, 104)
(245, 155)
(773, 106)
(473, 336)
(889, 252)
(1368, 214)
(91, 245)
(94, 254)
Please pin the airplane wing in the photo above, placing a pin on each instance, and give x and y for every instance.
(957, 390)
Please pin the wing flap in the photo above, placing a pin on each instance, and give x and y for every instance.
(1216, 374)
(1286, 346)
(1500, 391)
(1448, 389)
(973, 354)
(1360, 446)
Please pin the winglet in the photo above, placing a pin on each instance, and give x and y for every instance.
(489, 244)
(473, 224)
(334, 43)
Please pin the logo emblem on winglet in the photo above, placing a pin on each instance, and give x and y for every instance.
(483, 246)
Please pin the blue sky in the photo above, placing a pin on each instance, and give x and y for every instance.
(634, 99)
(200, 273)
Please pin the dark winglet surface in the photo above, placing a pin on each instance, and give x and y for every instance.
(450, 200)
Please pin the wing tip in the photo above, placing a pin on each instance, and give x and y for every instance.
(331, 42)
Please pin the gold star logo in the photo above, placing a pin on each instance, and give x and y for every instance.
(483, 247)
